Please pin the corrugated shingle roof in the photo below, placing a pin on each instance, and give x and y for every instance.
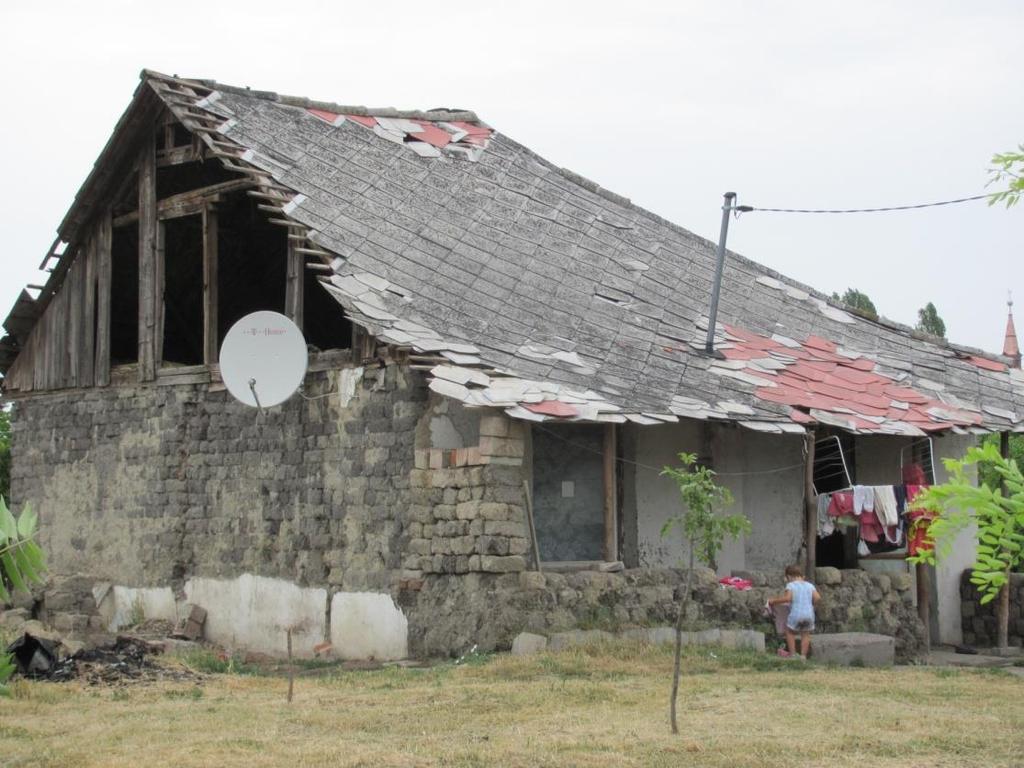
(553, 298)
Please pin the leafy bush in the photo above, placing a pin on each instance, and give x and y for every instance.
(21, 564)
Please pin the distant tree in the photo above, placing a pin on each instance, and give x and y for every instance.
(857, 300)
(928, 320)
(1008, 168)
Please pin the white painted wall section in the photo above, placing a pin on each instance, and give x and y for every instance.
(368, 625)
(962, 554)
(254, 613)
(124, 606)
(763, 472)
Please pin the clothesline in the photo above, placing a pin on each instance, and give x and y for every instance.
(880, 513)
(659, 470)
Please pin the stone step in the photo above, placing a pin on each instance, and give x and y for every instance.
(854, 649)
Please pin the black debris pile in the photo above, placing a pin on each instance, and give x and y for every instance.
(127, 660)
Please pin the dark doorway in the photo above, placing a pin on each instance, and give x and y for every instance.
(568, 492)
(183, 291)
(124, 296)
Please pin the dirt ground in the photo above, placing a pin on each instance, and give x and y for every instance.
(603, 706)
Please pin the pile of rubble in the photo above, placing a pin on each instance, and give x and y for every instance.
(124, 659)
(95, 657)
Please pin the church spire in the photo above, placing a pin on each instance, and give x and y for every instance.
(1011, 348)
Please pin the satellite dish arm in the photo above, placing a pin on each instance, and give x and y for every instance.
(252, 387)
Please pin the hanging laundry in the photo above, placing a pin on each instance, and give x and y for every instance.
(913, 474)
(918, 537)
(885, 505)
(826, 525)
(863, 499)
(900, 492)
(841, 504)
(870, 528)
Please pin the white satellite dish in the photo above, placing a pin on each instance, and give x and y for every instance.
(263, 359)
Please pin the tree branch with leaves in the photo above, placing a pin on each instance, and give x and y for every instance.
(996, 509)
(703, 532)
(21, 564)
(1007, 168)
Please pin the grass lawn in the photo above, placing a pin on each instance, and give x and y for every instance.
(602, 706)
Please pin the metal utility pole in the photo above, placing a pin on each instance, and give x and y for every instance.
(727, 208)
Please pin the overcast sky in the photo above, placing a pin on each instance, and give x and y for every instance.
(790, 104)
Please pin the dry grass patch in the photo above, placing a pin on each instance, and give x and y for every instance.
(602, 706)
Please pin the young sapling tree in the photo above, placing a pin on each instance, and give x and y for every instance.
(703, 531)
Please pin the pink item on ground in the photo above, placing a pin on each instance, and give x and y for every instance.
(736, 583)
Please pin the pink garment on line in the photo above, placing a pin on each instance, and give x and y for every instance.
(841, 504)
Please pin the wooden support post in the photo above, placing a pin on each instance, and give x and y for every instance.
(87, 374)
(210, 321)
(1003, 604)
(810, 507)
(72, 288)
(533, 528)
(159, 279)
(104, 275)
(147, 260)
(293, 298)
(611, 495)
(924, 602)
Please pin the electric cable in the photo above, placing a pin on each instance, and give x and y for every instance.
(659, 470)
(754, 208)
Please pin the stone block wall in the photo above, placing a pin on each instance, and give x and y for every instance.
(147, 486)
(979, 621)
(489, 610)
(470, 519)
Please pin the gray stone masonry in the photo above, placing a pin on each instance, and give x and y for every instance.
(979, 621)
(450, 614)
(147, 486)
(467, 519)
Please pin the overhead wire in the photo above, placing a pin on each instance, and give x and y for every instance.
(753, 208)
(659, 470)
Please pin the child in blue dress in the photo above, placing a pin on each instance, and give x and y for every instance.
(801, 597)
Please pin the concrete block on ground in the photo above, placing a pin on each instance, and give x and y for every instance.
(707, 637)
(665, 636)
(527, 643)
(368, 625)
(562, 640)
(854, 649)
(743, 639)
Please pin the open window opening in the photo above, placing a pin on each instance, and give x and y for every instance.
(323, 320)
(569, 492)
(833, 462)
(917, 463)
(124, 296)
(252, 262)
(185, 177)
(182, 340)
(834, 465)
